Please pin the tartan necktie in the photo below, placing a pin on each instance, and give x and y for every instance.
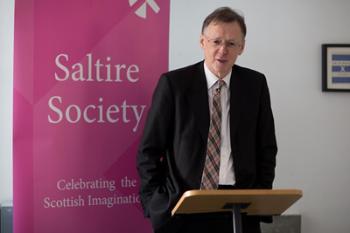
(210, 176)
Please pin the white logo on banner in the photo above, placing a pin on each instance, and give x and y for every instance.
(142, 10)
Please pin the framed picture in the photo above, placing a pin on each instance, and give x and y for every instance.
(336, 67)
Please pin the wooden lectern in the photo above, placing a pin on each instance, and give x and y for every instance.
(250, 201)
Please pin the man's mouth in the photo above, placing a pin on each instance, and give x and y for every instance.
(222, 61)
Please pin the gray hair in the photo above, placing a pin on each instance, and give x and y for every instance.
(225, 15)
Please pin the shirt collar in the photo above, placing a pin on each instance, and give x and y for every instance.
(211, 78)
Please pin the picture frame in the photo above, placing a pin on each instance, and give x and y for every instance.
(336, 67)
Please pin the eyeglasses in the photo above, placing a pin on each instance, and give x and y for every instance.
(217, 43)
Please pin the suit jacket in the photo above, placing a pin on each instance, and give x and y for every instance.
(173, 147)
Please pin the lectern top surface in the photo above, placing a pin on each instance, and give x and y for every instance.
(257, 201)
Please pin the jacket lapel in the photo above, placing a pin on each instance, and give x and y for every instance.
(198, 99)
(235, 93)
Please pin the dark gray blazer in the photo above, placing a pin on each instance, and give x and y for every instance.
(172, 151)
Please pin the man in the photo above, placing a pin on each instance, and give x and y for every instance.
(210, 126)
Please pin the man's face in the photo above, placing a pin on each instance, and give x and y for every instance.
(222, 43)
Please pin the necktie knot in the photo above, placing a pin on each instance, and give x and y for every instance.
(220, 84)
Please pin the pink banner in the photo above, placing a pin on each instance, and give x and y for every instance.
(84, 76)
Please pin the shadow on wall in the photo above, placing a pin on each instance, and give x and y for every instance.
(6, 222)
(283, 224)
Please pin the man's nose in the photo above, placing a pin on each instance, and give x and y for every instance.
(223, 48)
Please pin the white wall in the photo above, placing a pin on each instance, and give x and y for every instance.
(6, 63)
(313, 127)
(283, 41)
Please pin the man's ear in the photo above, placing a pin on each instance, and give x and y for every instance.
(242, 47)
(201, 41)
